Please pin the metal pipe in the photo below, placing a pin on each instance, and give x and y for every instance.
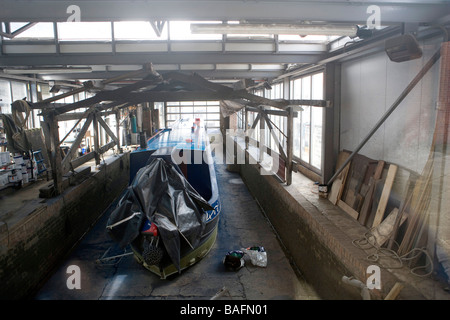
(402, 96)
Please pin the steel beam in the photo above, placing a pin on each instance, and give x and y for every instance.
(26, 60)
(392, 11)
(210, 74)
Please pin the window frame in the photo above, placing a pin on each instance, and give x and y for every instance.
(192, 105)
(293, 95)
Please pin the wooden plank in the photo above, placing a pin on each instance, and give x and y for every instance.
(395, 291)
(96, 139)
(290, 145)
(349, 210)
(403, 205)
(107, 129)
(106, 147)
(274, 136)
(54, 151)
(66, 161)
(83, 159)
(88, 85)
(367, 203)
(376, 196)
(385, 195)
(117, 95)
(385, 229)
(339, 183)
(371, 167)
(366, 207)
(358, 202)
(354, 180)
(225, 91)
(255, 122)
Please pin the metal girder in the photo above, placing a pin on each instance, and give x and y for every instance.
(156, 58)
(211, 74)
(392, 11)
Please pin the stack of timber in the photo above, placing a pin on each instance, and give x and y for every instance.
(396, 218)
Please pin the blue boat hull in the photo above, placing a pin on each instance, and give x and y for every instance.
(190, 148)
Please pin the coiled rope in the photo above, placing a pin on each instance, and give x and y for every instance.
(368, 241)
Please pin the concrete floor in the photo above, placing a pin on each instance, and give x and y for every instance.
(242, 224)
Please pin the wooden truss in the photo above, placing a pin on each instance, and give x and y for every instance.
(146, 85)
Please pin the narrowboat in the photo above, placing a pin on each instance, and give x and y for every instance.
(169, 213)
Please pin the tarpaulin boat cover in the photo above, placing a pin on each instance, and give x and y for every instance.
(160, 193)
(16, 136)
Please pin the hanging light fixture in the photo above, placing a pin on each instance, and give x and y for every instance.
(261, 28)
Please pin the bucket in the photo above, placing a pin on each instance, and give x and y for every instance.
(4, 158)
(323, 190)
(19, 175)
(12, 177)
(25, 178)
(3, 179)
(18, 160)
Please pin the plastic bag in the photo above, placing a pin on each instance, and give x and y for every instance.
(258, 256)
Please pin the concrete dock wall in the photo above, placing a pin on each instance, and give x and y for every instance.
(32, 247)
(293, 223)
(319, 239)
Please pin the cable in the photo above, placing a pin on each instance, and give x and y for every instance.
(365, 243)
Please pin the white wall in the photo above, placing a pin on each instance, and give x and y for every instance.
(370, 85)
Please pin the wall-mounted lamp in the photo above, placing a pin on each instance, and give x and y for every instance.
(403, 48)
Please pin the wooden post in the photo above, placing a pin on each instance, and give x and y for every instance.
(262, 138)
(118, 130)
(395, 291)
(107, 129)
(246, 129)
(151, 107)
(290, 145)
(73, 149)
(53, 150)
(96, 137)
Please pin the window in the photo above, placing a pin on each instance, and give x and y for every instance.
(5, 94)
(40, 31)
(278, 122)
(207, 111)
(308, 126)
(84, 31)
(19, 90)
(137, 30)
(181, 30)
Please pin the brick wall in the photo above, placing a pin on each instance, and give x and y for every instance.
(32, 248)
(321, 250)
